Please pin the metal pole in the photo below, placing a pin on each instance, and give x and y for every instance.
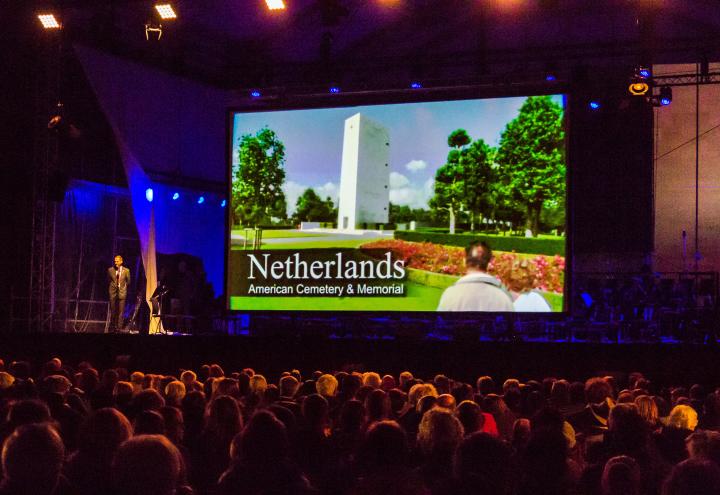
(697, 167)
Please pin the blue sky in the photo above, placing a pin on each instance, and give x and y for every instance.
(418, 141)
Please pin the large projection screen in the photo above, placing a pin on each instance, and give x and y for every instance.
(371, 208)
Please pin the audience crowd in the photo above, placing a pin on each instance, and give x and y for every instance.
(82, 431)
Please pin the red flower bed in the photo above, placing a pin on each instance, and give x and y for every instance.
(548, 270)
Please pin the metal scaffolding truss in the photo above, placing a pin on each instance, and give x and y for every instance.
(687, 79)
(41, 286)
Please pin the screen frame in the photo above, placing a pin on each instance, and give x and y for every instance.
(389, 97)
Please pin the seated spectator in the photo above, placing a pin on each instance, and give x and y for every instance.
(149, 423)
(703, 444)
(371, 379)
(212, 453)
(314, 448)
(545, 468)
(377, 406)
(383, 463)
(470, 416)
(404, 379)
(483, 465)
(350, 428)
(174, 393)
(648, 411)
(693, 477)
(671, 439)
(592, 420)
(32, 459)
(148, 465)
(501, 413)
(621, 476)
(89, 468)
(439, 434)
(261, 461)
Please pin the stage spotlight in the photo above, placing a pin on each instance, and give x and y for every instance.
(201, 200)
(638, 88)
(255, 94)
(275, 4)
(550, 77)
(223, 203)
(665, 95)
(594, 104)
(49, 21)
(176, 196)
(334, 89)
(416, 85)
(644, 72)
(165, 11)
(149, 194)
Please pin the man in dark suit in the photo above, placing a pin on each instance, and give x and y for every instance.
(119, 280)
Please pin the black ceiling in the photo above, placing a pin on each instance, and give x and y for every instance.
(241, 44)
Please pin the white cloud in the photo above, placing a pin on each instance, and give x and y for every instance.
(398, 180)
(411, 195)
(328, 189)
(294, 190)
(429, 187)
(416, 165)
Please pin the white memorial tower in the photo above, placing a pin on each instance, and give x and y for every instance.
(365, 175)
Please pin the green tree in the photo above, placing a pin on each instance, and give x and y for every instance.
(449, 186)
(257, 180)
(458, 139)
(311, 208)
(400, 214)
(480, 178)
(532, 158)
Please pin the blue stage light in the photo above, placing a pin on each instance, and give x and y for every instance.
(175, 196)
(201, 200)
(149, 194)
(223, 203)
(255, 94)
(644, 73)
(416, 85)
(550, 77)
(665, 95)
(594, 105)
(334, 89)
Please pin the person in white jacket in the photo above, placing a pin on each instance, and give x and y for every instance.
(522, 289)
(477, 290)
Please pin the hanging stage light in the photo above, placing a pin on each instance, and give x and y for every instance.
(275, 4)
(665, 95)
(49, 21)
(639, 81)
(165, 11)
(638, 88)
